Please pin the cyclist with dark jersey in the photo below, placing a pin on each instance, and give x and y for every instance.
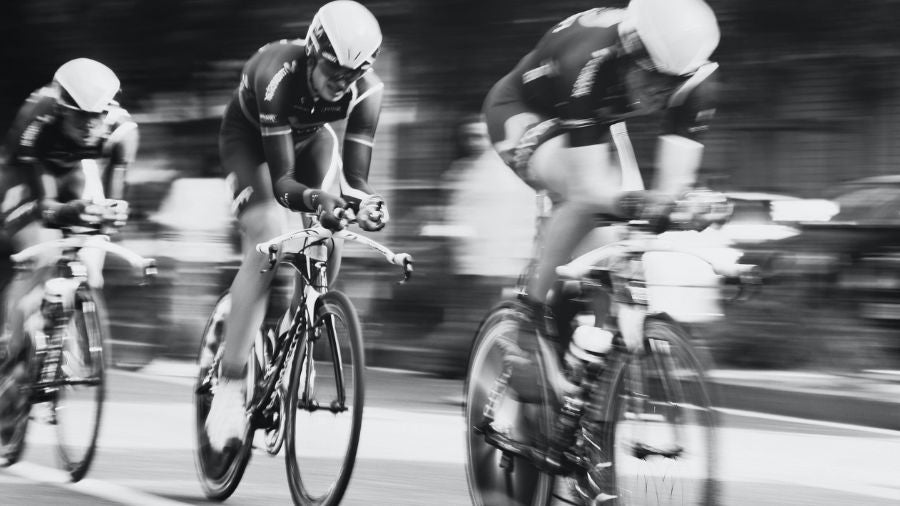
(63, 162)
(558, 120)
(281, 153)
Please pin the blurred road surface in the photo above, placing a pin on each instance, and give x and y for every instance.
(412, 453)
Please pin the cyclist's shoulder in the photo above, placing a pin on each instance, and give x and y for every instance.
(593, 29)
(38, 111)
(369, 82)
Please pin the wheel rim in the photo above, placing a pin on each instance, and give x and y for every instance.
(668, 411)
(78, 405)
(489, 483)
(321, 444)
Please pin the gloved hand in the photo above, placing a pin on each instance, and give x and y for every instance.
(330, 209)
(698, 208)
(651, 206)
(108, 212)
(373, 214)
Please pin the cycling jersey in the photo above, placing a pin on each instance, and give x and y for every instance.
(35, 145)
(281, 123)
(575, 79)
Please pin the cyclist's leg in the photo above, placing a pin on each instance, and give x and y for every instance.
(21, 300)
(260, 218)
(584, 180)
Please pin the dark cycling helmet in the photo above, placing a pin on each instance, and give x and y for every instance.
(679, 35)
(87, 85)
(346, 34)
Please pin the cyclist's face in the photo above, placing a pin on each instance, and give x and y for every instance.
(331, 81)
(83, 127)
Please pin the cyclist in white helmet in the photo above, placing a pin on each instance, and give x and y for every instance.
(281, 154)
(45, 183)
(558, 119)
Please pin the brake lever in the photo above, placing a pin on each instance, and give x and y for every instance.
(271, 257)
(407, 267)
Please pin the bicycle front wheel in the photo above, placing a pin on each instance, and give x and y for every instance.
(662, 439)
(496, 479)
(81, 374)
(325, 403)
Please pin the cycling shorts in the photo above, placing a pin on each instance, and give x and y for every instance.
(243, 159)
(516, 144)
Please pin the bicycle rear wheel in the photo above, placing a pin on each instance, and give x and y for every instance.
(78, 406)
(325, 403)
(494, 479)
(219, 473)
(663, 437)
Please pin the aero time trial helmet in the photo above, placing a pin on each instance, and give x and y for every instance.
(345, 33)
(679, 35)
(87, 84)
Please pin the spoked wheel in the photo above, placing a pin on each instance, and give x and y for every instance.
(663, 437)
(325, 404)
(495, 478)
(219, 473)
(78, 406)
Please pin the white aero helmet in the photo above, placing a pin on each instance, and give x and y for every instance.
(679, 35)
(344, 33)
(88, 84)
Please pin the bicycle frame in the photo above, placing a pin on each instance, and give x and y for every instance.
(308, 259)
(71, 274)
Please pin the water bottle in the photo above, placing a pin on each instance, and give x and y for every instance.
(589, 345)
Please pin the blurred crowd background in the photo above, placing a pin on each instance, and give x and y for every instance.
(810, 99)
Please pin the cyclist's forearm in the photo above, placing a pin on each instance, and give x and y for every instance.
(677, 162)
(290, 193)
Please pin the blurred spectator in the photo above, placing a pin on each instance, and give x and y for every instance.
(490, 211)
(488, 227)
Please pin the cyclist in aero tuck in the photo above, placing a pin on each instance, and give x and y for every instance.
(552, 119)
(276, 141)
(49, 177)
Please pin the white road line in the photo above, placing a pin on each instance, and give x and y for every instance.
(88, 486)
(808, 421)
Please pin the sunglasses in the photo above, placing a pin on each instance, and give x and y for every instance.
(334, 72)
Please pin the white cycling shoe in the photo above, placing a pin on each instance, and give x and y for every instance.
(227, 419)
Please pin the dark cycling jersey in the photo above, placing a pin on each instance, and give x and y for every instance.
(35, 145)
(576, 74)
(275, 95)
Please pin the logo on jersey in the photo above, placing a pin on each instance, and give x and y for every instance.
(268, 118)
(30, 134)
(588, 74)
(277, 78)
(547, 69)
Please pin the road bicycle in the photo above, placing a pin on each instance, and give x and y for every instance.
(630, 423)
(65, 361)
(305, 379)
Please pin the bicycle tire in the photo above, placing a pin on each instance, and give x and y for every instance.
(219, 474)
(673, 462)
(336, 315)
(82, 374)
(489, 483)
(13, 443)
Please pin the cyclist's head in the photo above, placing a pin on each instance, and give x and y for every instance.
(342, 42)
(672, 37)
(86, 91)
